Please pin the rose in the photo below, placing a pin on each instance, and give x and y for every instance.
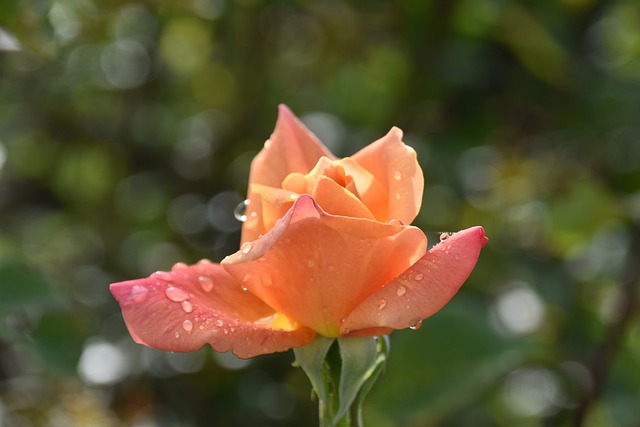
(325, 251)
(382, 182)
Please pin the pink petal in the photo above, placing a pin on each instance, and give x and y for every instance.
(315, 267)
(421, 290)
(194, 305)
(291, 148)
(395, 166)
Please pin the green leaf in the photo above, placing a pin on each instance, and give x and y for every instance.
(312, 359)
(359, 362)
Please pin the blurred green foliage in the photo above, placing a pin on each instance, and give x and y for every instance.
(126, 133)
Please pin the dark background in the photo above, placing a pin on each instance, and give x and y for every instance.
(126, 133)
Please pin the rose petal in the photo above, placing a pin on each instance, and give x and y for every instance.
(194, 305)
(315, 267)
(291, 148)
(421, 290)
(395, 166)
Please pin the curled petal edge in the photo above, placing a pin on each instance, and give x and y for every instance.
(422, 290)
(190, 306)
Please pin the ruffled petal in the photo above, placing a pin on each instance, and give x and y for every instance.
(421, 290)
(191, 306)
(316, 268)
(291, 148)
(396, 167)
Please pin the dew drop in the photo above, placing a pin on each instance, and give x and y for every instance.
(418, 277)
(397, 196)
(246, 247)
(205, 283)
(267, 143)
(187, 325)
(162, 275)
(179, 266)
(397, 175)
(139, 294)
(240, 212)
(187, 307)
(311, 262)
(401, 290)
(395, 222)
(382, 304)
(176, 334)
(415, 324)
(444, 236)
(175, 294)
(219, 323)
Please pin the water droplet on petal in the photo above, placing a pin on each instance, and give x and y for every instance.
(418, 277)
(395, 222)
(246, 247)
(267, 143)
(397, 175)
(219, 323)
(187, 325)
(187, 307)
(401, 290)
(311, 262)
(176, 334)
(175, 294)
(415, 324)
(397, 196)
(205, 283)
(162, 275)
(179, 266)
(266, 280)
(139, 294)
(444, 236)
(382, 304)
(240, 212)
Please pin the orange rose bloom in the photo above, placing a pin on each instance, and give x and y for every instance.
(326, 250)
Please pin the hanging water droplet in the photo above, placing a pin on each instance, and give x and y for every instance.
(415, 324)
(395, 222)
(401, 290)
(175, 294)
(187, 307)
(397, 175)
(187, 325)
(418, 277)
(162, 275)
(311, 262)
(240, 212)
(139, 294)
(382, 304)
(219, 323)
(246, 247)
(205, 283)
(444, 236)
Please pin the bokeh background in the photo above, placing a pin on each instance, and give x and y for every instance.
(126, 133)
